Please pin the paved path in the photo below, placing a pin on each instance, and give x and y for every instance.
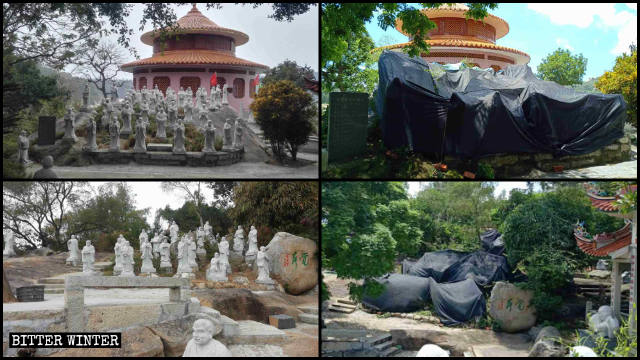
(624, 170)
(137, 171)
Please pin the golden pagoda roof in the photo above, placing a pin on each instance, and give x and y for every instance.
(193, 57)
(196, 23)
(459, 43)
(459, 10)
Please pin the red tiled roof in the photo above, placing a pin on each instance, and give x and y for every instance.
(192, 57)
(608, 203)
(459, 43)
(614, 241)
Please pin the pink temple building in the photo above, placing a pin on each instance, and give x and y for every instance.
(456, 38)
(191, 56)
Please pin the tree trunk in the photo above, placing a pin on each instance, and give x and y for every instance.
(7, 295)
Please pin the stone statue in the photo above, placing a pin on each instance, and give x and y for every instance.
(202, 344)
(178, 140)
(74, 251)
(144, 108)
(23, 147)
(183, 257)
(161, 119)
(209, 136)
(604, 322)
(147, 257)
(127, 259)
(228, 141)
(253, 241)
(193, 249)
(126, 118)
(238, 144)
(141, 138)
(223, 247)
(225, 101)
(117, 268)
(9, 244)
(602, 264)
(173, 230)
(217, 270)
(173, 113)
(143, 237)
(91, 135)
(165, 257)
(263, 267)
(46, 172)
(114, 133)
(238, 240)
(88, 259)
(69, 129)
(188, 112)
(207, 230)
(200, 250)
(155, 243)
(104, 121)
(85, 97)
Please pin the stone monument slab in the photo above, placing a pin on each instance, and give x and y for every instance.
(46, 130)
(347, 132)
(511, 307)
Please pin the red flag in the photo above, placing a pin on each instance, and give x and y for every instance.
(257, 80)
(214, 80)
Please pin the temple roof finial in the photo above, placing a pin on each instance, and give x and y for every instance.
(194, 6)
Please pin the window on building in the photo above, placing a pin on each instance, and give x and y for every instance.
(221, 82)
(192, 82)
(143, 82)
(163, 83)
(238, 88)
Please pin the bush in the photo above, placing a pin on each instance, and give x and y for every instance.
(623, 79)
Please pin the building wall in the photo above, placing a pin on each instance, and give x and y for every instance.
(174, 79)
(483, 63)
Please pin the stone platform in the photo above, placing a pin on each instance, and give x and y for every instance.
(219, 158)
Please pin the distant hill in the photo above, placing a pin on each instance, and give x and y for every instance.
(587, 86)
(75, 85)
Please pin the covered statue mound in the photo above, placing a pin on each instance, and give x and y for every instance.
(402, 293)
(492, 242)
(473, 113)
(457, 302)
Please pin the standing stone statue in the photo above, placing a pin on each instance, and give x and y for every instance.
(9, 244)
(178, 140)
(193, 248)
(253, 241)
(161, 119)
(104, 121)
(114, 133)
(183, 257)
(127, 259)
(173, 230)
(165, 257)
(144, 109)
(207, 230)
(188, 112)
(91, 135)
(203, 119)
(225, 101)
(155, 243)
(238, 240)
(223, 247)
(141, 138)
(69, 129)
(228, 141)
(173, 113)
(126, 118)
(143, 237)
(202, 344)
(74, 251)
(117, 269)
(88, 259)
(85, 98)
(209, 136)
(263, 268)
(217, 271)
(238, 144)
(23, 147)
(147, 257)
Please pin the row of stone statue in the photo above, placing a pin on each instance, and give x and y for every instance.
(188, 247)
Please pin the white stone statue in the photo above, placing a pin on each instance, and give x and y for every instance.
(173, 230)
(253, 241)
(141, 138)
(238, 144)
(262, 261)
(161, 119)
(91, 134)
(202, 344)
(117, 269)
(193, 251)
(69, 129)
(432, 350)
(178, 140)
(188, 112)
(217, 271)
(155, 243)
(114, 133)
(147, 257)
(127, 259)
(165, 256)
(238, 240)
(209, 137)
(9, 244)
(126, 118)
(183, 257)
(143, 237)
(228, 141)
(207, 230)
(23, 147)
(223, 247)
(224, 94)
(604, 323)
(88, 259)
(74, 251)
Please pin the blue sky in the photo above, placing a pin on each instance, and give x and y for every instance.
(600, 32)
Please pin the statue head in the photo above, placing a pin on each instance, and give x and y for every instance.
(262, 248)
(47, 162)
(605, 311)
(203, 331)
(216, 255)
(88, 243)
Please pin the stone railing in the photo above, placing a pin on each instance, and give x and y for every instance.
(218, 158)
(179, 291)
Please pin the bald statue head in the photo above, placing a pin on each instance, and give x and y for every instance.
(203, 331)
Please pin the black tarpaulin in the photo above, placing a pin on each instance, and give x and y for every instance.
(434, 264)
(480, 266)
(457, 302)
(402, 293)
(492, 242)
(474, 113)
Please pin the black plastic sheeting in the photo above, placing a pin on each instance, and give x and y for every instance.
(435, 264)
(492, 242)
(473, 113)
(457, 302)
(402, 293)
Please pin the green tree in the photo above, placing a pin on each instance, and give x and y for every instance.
(562, 67)
(284, 111)
(187, 218)
(353, 72)
(290, 206)
(623, 79)
(288, 70)
(404, 224)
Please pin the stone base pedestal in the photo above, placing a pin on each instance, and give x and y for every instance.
(166, 269)
(266, 282)
(125, 134)
(250, 260)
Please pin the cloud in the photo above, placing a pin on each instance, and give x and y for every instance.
(564, 43)
(627, 35)
(633, 6)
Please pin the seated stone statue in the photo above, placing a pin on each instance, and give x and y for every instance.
(202, 344)
(604, 322)
(217, 271)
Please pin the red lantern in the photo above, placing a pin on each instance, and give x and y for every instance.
(214, 80)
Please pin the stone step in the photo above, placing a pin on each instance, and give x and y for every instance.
(380, 339)
(54, 291)
(309, 309)
(346, 301)
(53, 286)
(340, 309)
(51, 281)
(343, 334)
(308, 318)
(253, 332)
(346, 306)
(389, 351)
(159, 147)
(383, 346)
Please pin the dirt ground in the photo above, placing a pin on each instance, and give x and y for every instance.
(301, 341)
(24, 271)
